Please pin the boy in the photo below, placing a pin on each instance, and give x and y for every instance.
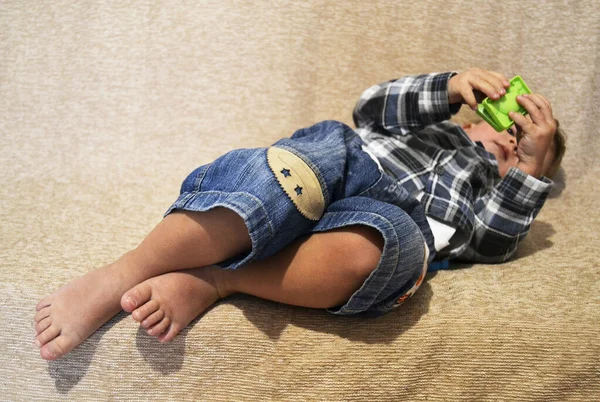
(330, 218)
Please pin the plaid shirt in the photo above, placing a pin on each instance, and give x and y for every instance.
(404, 123)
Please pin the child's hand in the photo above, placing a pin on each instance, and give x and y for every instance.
(535, 133)
(467, 87)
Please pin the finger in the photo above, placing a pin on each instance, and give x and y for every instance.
(468, 96)
(543, 105)
(496, 80)
(546, 109)
(543, 99)
(521, 121)
(487, 88)
(532, 108)
(505, 82)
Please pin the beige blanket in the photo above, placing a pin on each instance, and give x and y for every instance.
(105, 106)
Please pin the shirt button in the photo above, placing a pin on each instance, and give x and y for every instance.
(439, 170)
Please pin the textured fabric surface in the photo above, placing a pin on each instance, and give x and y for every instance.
(106, 106)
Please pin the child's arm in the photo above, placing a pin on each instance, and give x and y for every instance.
(413, 102)
(404, 105)
(504, 215)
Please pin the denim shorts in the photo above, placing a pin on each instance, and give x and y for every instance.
(319, 179)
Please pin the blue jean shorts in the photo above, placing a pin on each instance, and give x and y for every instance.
(319, 179)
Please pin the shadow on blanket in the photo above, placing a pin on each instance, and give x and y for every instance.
(272, 319)
(70, 369)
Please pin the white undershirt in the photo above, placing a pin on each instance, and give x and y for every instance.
(441, 233)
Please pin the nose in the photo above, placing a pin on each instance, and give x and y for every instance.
(510, 141)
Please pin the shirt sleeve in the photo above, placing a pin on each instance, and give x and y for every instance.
(407, 104)
(504, 215)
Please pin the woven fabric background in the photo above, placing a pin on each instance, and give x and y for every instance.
(106, 106)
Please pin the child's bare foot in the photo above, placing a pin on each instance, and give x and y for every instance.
(166, 304)
(75, 311)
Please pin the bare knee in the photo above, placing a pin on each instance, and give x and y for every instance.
(359, 250)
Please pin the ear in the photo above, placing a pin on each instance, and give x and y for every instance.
(467, 125)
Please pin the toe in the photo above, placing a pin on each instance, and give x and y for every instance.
(42, 325)
(47, 335)
(136, 296)
(41, 314)
(56, 348)
(45, 302)
(145, 310)
(153, 319)
(171, 333)
(160, 327)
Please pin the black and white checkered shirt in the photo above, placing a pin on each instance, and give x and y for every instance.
(404, 123)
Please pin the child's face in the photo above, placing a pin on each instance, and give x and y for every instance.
(501, 144)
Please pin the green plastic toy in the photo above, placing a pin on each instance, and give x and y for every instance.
(495, 112)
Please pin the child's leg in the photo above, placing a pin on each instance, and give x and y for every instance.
(358, 241)
(180, 241)
(321, 270)
(191, 239)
